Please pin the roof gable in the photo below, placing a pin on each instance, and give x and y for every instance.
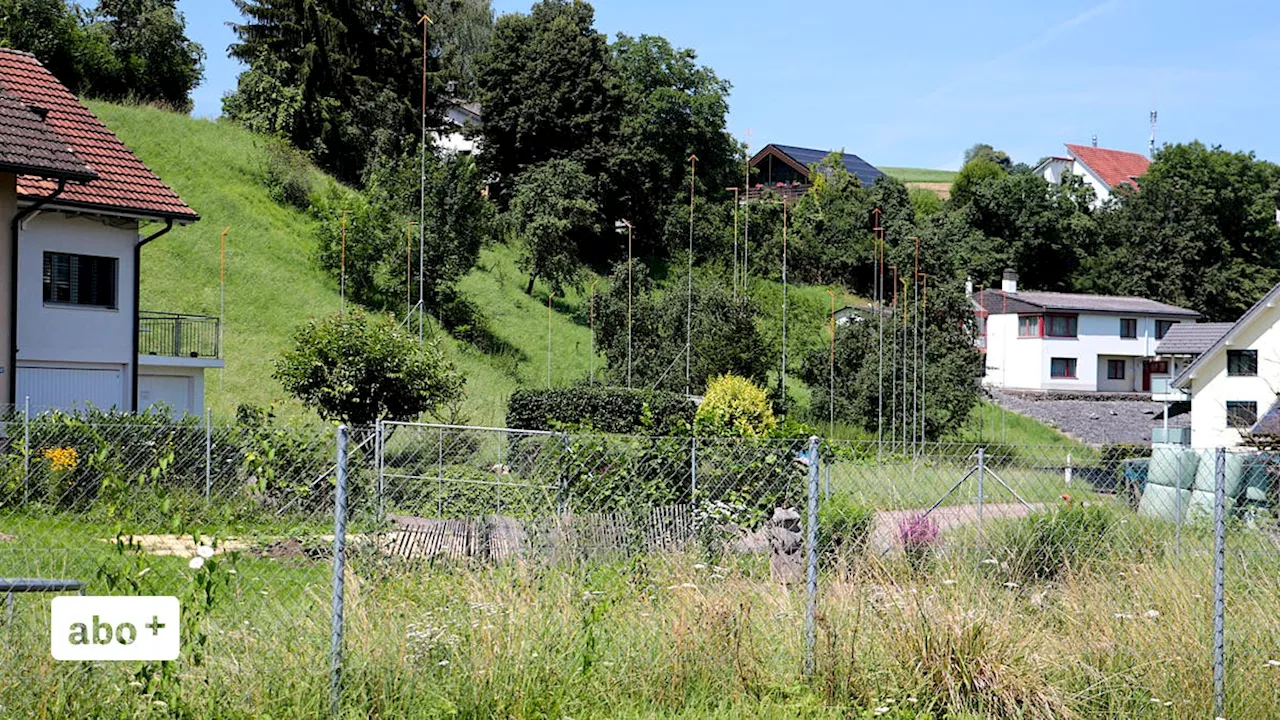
(123, 183)
(802, 158)
(1113, 167)
(27, 147)
(1249, 317)
(997, 302)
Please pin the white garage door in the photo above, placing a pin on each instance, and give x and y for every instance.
(176, 392)
(71, 388)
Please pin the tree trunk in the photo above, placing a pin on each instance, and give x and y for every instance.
(529, 288)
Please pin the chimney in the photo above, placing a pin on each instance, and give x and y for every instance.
(1009, 283)
(1095, 140)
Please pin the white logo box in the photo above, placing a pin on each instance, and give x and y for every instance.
(97, 628)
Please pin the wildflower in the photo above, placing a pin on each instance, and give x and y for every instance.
(204, 551)
(991, 561)
(948, 581)
(913, 700)
(1012, 585)
(231, 571)
(196, 563)
(62, 459)
(135, 684)
(699, 566)
(882, 709)
(1122, 616)
(1153, 614)
(1168, 703)
(144, 571)
(443, 663)
(1155, 700)
(160, 704)
(1273, 663)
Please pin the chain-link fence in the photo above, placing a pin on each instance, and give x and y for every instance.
(504, 572)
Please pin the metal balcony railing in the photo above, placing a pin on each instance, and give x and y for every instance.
(178, 335)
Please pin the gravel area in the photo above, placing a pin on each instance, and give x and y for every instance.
(1126, 419)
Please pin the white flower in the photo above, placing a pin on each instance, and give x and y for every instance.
(135, 684)
(1168, 703)
(1155, 700)
(990, 561)
(1273, 663)
(443, 663)
(144, 571)
(204, 551)
(196, 563)
(231, 571)
(948, 581)
(1012, 585)
(160, 704)
(913, 700)
(882, 709)
(1153, 614)
(1123, 616)
(683, 586)
(699, 566)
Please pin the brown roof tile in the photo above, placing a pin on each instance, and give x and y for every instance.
(124, 183)
(998, 302)
(28, 147)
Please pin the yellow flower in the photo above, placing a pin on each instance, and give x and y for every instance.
(64, 458)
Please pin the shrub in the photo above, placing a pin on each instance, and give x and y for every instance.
(1044, 545)
(844, 527)
(918, 535)
(287, 175)
(735, 407)
(610, 410)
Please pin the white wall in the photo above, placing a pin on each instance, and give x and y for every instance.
(8, 207)
(73, 336)
(1211, 387)
(1025, 363)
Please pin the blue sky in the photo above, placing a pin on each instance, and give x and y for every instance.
(915, 83)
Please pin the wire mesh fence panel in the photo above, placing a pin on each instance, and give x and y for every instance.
(234, 521)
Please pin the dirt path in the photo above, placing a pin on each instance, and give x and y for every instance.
(885, 534)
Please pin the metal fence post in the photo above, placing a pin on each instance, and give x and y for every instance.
(378, 450)
(1219, 581)
(208, 453)
(693, 467)
(982, 472)
(339, 562)
(811, 561)
(26, 449)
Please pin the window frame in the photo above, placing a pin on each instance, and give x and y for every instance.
(72, 285)
(1123, 365)
(1073, 320)
(1131, 323)
(1236, 405)
(1163, 326)
(1071, 368)
(1237, 355)
(1039, 323)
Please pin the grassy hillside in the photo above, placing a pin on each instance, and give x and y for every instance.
(920, 175)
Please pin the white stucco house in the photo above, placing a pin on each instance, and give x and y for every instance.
(460, 118)
(1069, 341)
(76, 207)
(1100, 168)
(1234, 382)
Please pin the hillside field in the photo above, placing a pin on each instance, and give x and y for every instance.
(273, 284)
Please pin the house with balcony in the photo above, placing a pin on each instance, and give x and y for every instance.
(1233, 383)
(787, 169)
(1071, 342)
(77, 207)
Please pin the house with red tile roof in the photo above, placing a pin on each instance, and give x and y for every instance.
(73, 204)
(1102, 169)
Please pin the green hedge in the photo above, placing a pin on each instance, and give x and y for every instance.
(610, 410)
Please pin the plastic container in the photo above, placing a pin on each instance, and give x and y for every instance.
(1173, 467)
(1164, 503)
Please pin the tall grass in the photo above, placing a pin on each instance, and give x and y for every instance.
(676, 635)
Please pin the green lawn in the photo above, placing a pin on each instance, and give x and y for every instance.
(914, 175)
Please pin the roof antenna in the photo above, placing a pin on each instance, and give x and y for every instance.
(1152, 148)
(1095, 139)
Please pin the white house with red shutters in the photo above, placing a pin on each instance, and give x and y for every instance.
(1070, 341)
(1102, 169)
(74, 204)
